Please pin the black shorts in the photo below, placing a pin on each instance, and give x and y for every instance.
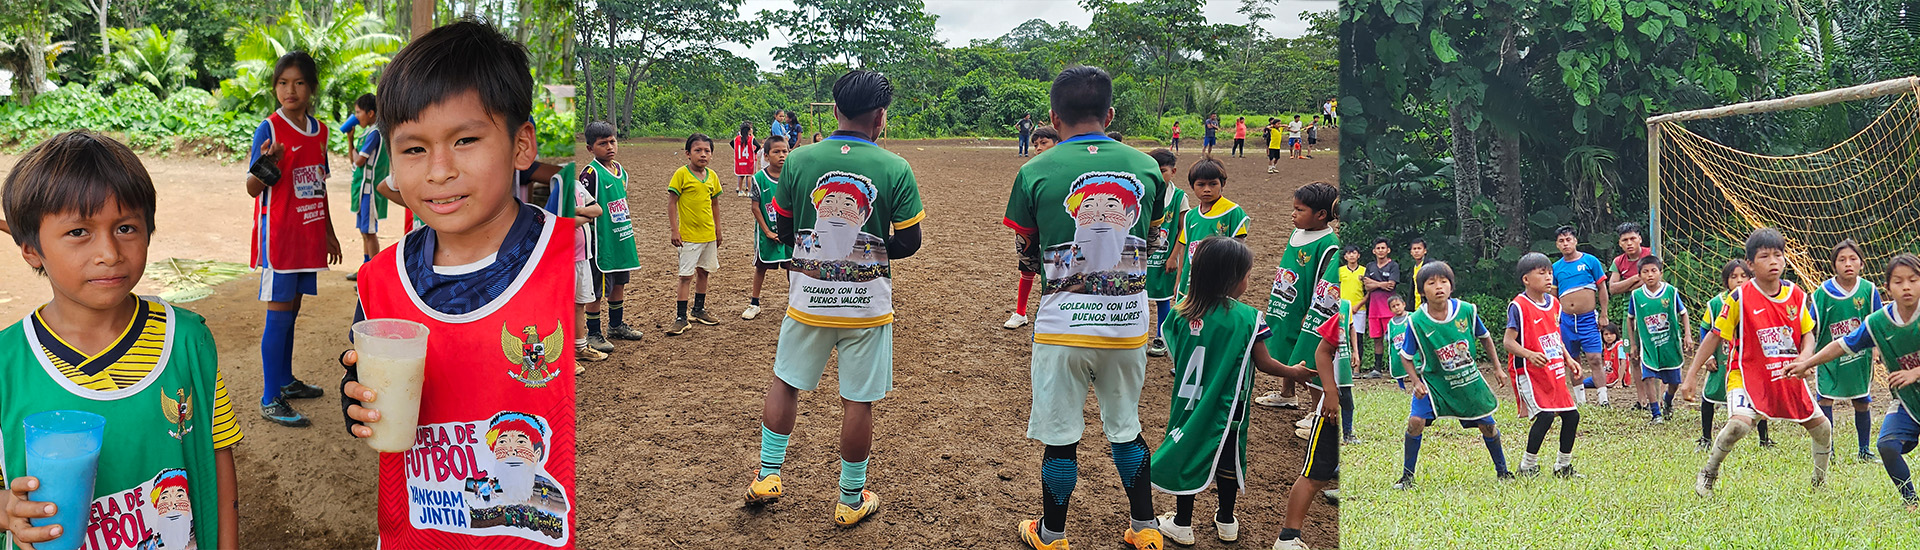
(1323, 454)
(612, 278)
(1312, 140)
(757, 264)
(1273, 154)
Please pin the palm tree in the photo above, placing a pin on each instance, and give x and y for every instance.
(348, 49)
(147, 57)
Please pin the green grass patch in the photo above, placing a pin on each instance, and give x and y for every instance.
(1638, 492)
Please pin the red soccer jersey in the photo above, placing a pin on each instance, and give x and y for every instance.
(743, 156)
(1768, 336)
(1610, 360)
(290, 216)
(1540, 387)
(492, 465)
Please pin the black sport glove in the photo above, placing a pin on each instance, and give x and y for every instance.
(353, 375)
(267, 172)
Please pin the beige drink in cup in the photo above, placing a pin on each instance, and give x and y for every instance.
(393, 363)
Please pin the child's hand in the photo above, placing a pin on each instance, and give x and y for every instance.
(1535, 357)
(1574, 367)
(333, 249)
(18, 510)
(1686, 391)
(719, 238)
(364, 394)
(675, 238)
(271, 151)
(771, 236)
(1904, 377)
(1329, 408)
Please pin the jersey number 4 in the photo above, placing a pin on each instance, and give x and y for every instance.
(1190, 379)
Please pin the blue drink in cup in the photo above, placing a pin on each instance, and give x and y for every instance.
(63, 451)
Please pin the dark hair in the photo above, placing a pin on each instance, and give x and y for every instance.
(766, 143)
(1903, 259)
(1765, 238)
(1377, 241)
(1629, 227)
(597, 130)
(1116, 136)
(1846, 244)
(1650, 260)
(698, 137)
(464, 56)
(1081, 94)
(1207, 168)
(1566, 230)
(1726, 271)
(859, 92)
(299, 61)
(1163, 157)
(1047, 132)
(1417, 241)
(1219, 263)
(1317, 196)
(1396, 297)
(746, 129)
(1610, 328)
(73, 171)
(366, 103)
(1532, 261)
(1430, 271)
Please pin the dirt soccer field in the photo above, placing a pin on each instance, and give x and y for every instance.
(669, 426)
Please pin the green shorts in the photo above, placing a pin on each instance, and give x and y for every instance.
(866, 358)
(1061, 375)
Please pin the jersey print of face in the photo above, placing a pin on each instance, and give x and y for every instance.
(170, 523)
(1776, 342)
(1551, 347)
(843, 202)
(1104, 207)
(1455, 356)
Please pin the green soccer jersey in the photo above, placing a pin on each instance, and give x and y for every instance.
(1089, 205)
(1306, 291)
(1223, 218)
(766, 250)
(614, 248)
(1443, 354)
(1343, 356)
(1397, 336)
(1213, 367)
(846, 196)
(1160, 283)
(1716, 391)
(1836, 313)
(1899, 343)
(1657, 316)
(369, 175)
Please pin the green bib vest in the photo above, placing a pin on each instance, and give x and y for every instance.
(764, 249)
(369, 175)
(1659, 326)
(1306, 291)
(1161, 284)
(1446, 364)
(1716, 391)
(157, 432)
(1213, 383)
(1343, 357)
(1396, 333)
(1834, 317)
(1900, 348)
(614, 248)
(1196, 227)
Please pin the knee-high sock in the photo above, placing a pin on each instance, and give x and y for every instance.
(1569, 429)
(1762, 425)
(1132, 460)
(1897, 468)
(1346, 411)
(1493, 449)
(1822, 447)
(1863, 428)
(1723, 444)
(1228, 484)
(1706, 420)
(1537, 435)
(1827, 410)
(276, 353)
(1026, 287)
(593, 323)
(853, 480)
(1183, 510)
(1410, 455)
(773, 451)
(1161, 310)
(1059, 473)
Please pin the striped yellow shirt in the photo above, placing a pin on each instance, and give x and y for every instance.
(132, 356)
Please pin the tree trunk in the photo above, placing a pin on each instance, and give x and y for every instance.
(585, 101)
(1512, 194)
(100, 14)
(1466, 180)
(633, 83)
(421, 17)
(613, 69)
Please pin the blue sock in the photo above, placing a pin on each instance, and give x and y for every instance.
(1136, 475)
(276, 353)
(1655, 407)
(773, 451)
(1827, 410)
(1161, 309)
(1862, 427)
(1129, 458)
(1058, 476)
(366, 258)
(1897, 468)
(853, 478)
(1410, 455)
(1499, 455)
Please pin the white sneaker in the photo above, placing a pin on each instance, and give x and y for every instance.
(751, 312)
(1295, 544)
(1228, 532)
(1179, 535)
(1015, 321)
(1271, 399)
(1306, 421)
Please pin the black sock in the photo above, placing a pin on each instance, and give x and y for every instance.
(1379, 361)
(615, 313)
(1569, 429)
(1183, 510)
(1134, 461)
(755, 300)
(593, 323)
(1706, 420)
(1536, 435)
(1289, 533)
(1763, 430)
(700, 302)
(1346, 411)
(1229, 486)
(682, 309)
(1059, 472)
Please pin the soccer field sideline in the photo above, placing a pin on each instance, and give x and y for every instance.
(1637, 493)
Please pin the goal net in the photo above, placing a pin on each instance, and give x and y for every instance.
(1705, 196)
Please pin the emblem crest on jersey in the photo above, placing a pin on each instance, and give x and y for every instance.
(1194, 326)
(1460, 324)
(178, 411)
(1859, 302)
(533, 354)
(1305, 256)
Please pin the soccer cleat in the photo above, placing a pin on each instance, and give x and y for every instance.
(301, 390)
(279, 412)
(1658, 419)
(354, 277)
(1568, 473)
(1405, 483)
(847, 516)
(1332, 497)
(1030, 534)
(1768, 443)
(624, 332)
(1015, 321)
(1702, 444)
(1528, 471)
(1703, 485)
(1350, 439)
(588, 354)
(1295, 544)
(1145, 539)
(1503, 475)
(679, 325)
(1819, 479)
(1228, 532)
(1179, 535)
(1157, 348)
(764, 489)
(599, 343)
(753, 310)
(703, 317)
(1866, 458)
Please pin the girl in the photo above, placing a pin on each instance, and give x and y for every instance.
(1355, 293)
(1176, 136)
(1214, 341)
(1890, 330)
(1841, 305)
(744, 148)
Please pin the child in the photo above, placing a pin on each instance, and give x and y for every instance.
(370, 167)
(816, 137)
(769, 254)
(613, 247)
(1294, 138)
(1117, 137)
(1163, 277)
(1767, 334)
(1891, 331)
(1313, 136)
(1323, 456)
(1841, 305)
(1439, 351)
(584, 209)
(1532, 341)
(1214, 215)
(1176, 136)
(693, 217)
(1239, 137)
(1417, 250)
(1734, 274)
(1273, 145)
(744, 148)
(1207, 423)
(1343, 362)
(293, 238)
(1210, 128)
(83, 213)
(465, 89)
(1397, 336)
(1044, 138)
(1657, 325)
(1355, 293)
(1614, 361)
(1306, 286)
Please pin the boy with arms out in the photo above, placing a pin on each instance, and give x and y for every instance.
(1734, 275)
(848, 208)
(1657, 327)
(1532, 341)
(1163, 276)
(1085, 214)
(486, 267)
(1768, 322)
(769, 254)
(612, 246)
(693, 217)
(1840, 305)
(1306, 285)
(1583, 305)
(83, 209)
(1439, 351)
(1890, 330)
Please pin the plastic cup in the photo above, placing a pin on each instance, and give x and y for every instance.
(63, 451)
(393, 363)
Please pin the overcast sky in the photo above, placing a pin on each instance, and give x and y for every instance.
(964, 20)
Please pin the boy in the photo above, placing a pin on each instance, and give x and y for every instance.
(1176, 135)
(370, 166)
(1294, 139)
(1274, 145)
(293, 239)
(1734, 275)
(613, 247)
(1163, 276)
(1044, 139)
(583, 209)
(1313, 135)
(1583, 304)
(1657, 325)
(1841, 305)
(848, 208)
(1306, 286)
(1210, 129)
(485, 268)
(1626, 266)
(1439, 351)
(1532, 341)
(83, 213)
(1417, 250)
(1214, 215)
(693, 217)
(1768, 322)
(769, 254)
(1891, 331)
(1085, 214)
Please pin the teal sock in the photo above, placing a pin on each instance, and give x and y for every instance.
(773, 451)
(853, 478)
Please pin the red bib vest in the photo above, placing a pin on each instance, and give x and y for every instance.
(492, 463)
(743, 156)
(1768, 337)
(290, 216)
(1543, 385)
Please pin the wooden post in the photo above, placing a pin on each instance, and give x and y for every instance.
(1802, 101)
(422, 12)
(1653, 187)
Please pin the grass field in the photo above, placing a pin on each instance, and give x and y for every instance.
(1637, 493)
